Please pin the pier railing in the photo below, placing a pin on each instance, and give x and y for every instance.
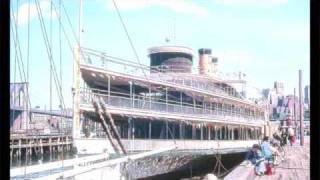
(172, 107)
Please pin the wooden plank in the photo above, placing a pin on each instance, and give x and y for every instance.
(296, 166)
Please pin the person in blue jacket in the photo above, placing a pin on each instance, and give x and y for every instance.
(256, 158)
(266, 148)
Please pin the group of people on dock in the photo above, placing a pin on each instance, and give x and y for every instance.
(263, 156)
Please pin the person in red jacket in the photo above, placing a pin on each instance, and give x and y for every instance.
(291, 135)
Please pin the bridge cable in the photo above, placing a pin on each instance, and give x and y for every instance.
(21, 72)
(15, 67)
(18, 52)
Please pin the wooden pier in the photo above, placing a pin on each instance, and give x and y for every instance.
(296, 166)
(25, 146)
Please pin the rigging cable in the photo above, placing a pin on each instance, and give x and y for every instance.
(49, 52)
(64, 31)
(50, 72)
(128, 36)
(28, 64)
(134, 50)
(60, 54)
(73, 32)
(28, 49)
(62, 125)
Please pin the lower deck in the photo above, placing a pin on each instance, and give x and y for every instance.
(149, 128)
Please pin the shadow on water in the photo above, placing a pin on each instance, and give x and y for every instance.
(201, 166)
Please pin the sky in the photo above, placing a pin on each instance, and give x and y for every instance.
(268, 40)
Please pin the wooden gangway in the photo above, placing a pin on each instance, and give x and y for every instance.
(296, 166)
(86, 167)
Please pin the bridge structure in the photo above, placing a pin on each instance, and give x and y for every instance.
(36, 133)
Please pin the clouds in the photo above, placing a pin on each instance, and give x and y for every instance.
(235, 59)
(22, 15)
(178, 6)
(251, 2)
(292, 33)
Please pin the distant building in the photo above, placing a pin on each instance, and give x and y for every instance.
(278, 86)
(307, 95)
(265, 92)
(279, 105)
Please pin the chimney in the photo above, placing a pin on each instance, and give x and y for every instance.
(204, 61)
(214, 65)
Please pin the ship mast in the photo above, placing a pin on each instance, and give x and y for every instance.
(76, 82)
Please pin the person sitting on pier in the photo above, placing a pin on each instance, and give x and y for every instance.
(256, 158)
(267, 150)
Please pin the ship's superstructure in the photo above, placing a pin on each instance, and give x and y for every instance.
(165, 100)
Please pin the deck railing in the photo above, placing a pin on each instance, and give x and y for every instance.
(155, 106)
(101, 60)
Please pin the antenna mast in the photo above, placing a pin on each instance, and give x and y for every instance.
(80, 22)
(76, 82)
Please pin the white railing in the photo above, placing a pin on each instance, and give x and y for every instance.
(155, 106)
(101, 60)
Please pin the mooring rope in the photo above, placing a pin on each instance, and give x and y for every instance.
(219, 164)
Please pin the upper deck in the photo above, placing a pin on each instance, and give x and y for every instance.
(100, 66)
(173, 96)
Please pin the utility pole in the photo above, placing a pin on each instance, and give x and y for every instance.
(295, 113)
(301, 109)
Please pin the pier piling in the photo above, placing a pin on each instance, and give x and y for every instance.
(50, 149)
(11, 156)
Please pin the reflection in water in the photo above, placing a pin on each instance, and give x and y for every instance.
(37, 158)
